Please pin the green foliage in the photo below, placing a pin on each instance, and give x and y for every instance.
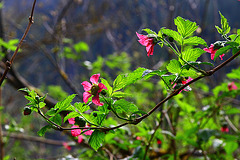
(225, 28)
(96, 139)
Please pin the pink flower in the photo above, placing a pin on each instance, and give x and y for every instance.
(146, 41)
(232, 86)
(71, 120)
(65, 145)
(80, 139)
(89, 132)
(75, 132)
(138, 138)
(212, 51)
(224, 129)
(93, 89)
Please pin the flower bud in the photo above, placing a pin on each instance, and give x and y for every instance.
(27, 111)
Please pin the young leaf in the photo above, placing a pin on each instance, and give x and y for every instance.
(175, 35)
(96, 139)
(174, 66)
(81, 107)
(194, 41)
(149, 31)
(185, 27)
(225, 26)
(65, 104)
(43, 130)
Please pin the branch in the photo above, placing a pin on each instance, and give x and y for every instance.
(9, 63)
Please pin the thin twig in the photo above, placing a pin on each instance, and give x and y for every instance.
(9, 63)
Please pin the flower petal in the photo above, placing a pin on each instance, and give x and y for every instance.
(75, 132)
(86, 95)
(71, 120)
(94, 78)
(101, 87)
(80, 139)
(86, 85)
(96, 100)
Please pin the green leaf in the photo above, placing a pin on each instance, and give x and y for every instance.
(96, 139)
(150, 73)
(123, 80)
(57, 119)
(218, 29)
(99, 118)
(189, 73)
(71, 115)
(174, 66)
(233, 111)
(225, 26)
(185, 27)
(149, 31)
(81, 46)
(194, 41)
(81, 107)
(51, 112)
(120, 94)
(222, 50)
(192, 54)
(124, 106)
(42, 104)
(109, 88)
(174, 34)
(43, 130)
(65, 105)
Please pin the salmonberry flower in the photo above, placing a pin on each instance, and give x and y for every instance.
(212, 51)
(65, 145)
(93, 89)
(146, 41)
(77, 132)
(232, 86)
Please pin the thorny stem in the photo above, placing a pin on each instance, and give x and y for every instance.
(9, 63)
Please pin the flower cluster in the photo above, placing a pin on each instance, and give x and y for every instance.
(93, 89)
(77, 132)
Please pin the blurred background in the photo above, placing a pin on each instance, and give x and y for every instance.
(72, 39)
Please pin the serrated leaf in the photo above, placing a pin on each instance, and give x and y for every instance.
(56, 119)
(81, 107)
(43, 130)
(96, 139)
(65, 104)
(194, 41)
(225, 26)
(174, 34)
(189, 73)
(124, 106)
(174, 66)
(123, 80)
(191, 54)
(150, 73)
(185, 27)
(109, 88)
(222, 50)
(71, 115)
(99, 118)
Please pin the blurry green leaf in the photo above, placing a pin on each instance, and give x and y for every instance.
(43, 130)
(194, 41)
(174, 66)
(185, 27)
(205, 134)
(120, 94)
(81, 46)
(81, 107)
(230, 147)
(175, 35)
(232, 111)
(96, 139)
(234, 74)
(71, 115)
(222, 50)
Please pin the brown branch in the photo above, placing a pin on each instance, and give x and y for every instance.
(9, 63)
